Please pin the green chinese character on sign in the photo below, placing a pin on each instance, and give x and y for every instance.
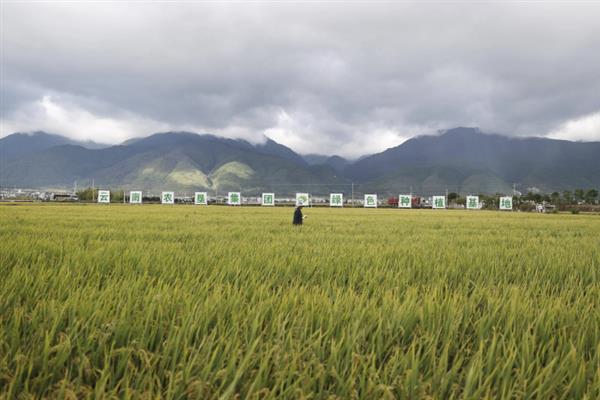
(235, 198)
(370, 200)
(200, 198)
(168, 198)
(472, 202)
(404, 201)
(506, 203)
(103, 197)
(268, 199)
(439, 202)
(336, 199)
(135, 197)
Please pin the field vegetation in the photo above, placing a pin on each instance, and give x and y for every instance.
(219, 302)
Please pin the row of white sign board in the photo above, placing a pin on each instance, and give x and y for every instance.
(303, 199)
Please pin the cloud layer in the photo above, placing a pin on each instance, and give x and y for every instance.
(320, 77)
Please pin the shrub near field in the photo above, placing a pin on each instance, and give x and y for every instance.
(217, 302)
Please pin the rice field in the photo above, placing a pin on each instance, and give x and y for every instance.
(178, 302)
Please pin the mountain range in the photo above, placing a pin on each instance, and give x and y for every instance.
(464, 160)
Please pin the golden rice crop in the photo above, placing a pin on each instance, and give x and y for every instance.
(216, 302)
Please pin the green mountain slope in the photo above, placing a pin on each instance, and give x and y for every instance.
(463, 160)
(470, 159)
(173, 161)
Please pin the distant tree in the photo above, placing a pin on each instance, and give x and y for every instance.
(517, 201)
(535, 197)
(489, 202)
(452, 196)
(527, 207)
(568, 197)
(579, 195)
(555, 196)
(88, 194)
(591, 196)
(116, 196)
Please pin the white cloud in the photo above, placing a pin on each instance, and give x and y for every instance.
(51, 115)
(301, 132)
(65, 117)
(585, 128)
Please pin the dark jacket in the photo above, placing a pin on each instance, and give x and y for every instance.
(297, 216)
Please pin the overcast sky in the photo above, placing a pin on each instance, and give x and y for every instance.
(335, 78)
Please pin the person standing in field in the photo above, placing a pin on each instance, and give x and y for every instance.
(298, 217)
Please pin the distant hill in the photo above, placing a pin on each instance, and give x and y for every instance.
(173, 160)
(336, 162)
(468, 160)
(20, 144)
(465, 160)
(315, 159)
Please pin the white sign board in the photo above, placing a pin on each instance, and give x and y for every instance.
(438, 202)
(336, 200)
(371, 200)
(200, 198)
(234, 198)
(135, 197)
(103, 196)
(506, 203)
(405, 201)
(302, 199)
(472, 202)
(268, 199)
(167, 198)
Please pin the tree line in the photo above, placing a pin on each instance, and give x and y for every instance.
(560, 200)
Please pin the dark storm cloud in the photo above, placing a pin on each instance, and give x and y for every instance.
(320, 77)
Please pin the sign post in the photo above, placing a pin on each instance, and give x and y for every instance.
(336, 200)
(506, 203)
(302, 199)
(167, 198)
(370, 201)
(438, 202)
(404, 201)
(472, 202)
(135, 197)
(200, 198)
(268, 199)
(104, 196)
(234, 198)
